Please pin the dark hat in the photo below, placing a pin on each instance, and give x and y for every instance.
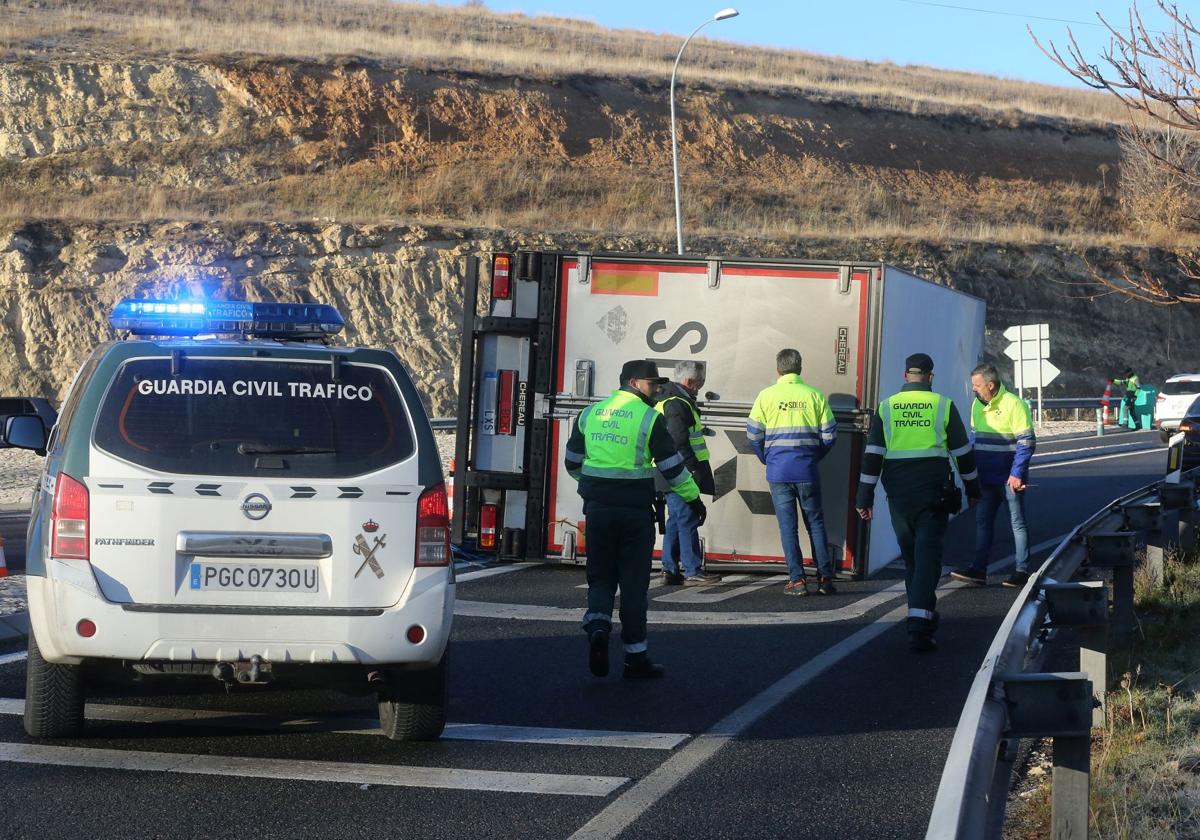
(642, 369)
(1128, 371)
(918, 363)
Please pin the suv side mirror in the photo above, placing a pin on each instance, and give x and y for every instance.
(25, 431)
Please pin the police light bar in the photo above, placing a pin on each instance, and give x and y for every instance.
(186, 318)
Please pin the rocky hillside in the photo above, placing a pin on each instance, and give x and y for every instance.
(401, 287)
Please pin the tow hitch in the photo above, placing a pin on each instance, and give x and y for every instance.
(255, 672)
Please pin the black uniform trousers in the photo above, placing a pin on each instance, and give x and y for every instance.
(921, 534)
(620, 543)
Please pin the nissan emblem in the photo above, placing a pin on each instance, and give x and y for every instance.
(256, 506)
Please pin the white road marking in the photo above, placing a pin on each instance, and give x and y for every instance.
(313, 771)
(1091, 459)
(370, 726)
(491, 571)
(718, 592)
(853, 610)
(630, 805)
(13, 657)
(651, 789)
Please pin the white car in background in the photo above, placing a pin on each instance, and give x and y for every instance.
(1177, 394)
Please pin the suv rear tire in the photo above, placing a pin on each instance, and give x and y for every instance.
(54, 697)
(413, 705)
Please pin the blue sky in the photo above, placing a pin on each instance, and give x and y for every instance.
(986, 36)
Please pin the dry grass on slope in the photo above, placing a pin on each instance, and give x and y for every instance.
(475, 39)
(805, 197)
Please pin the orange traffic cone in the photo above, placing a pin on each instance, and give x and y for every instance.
(3, 562)
(1105, 399)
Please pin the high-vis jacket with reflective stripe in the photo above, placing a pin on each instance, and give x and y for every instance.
(1002, 431)
(791, 428)
(678, 408)
(615, 447)
(913, 434)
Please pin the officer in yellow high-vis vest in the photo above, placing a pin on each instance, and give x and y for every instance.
(912, 439)
(616, 447)
(681, 558)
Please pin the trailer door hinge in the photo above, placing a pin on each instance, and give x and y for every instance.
(585, 268)
(714, 274)
(844, 280)
(541, 406)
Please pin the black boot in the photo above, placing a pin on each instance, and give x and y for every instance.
(598, 653)
(920, 634)
(639, 667)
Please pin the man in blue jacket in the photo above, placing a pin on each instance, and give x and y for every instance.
(1002, 431)
(791, 428)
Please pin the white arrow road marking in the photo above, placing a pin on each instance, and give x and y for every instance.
(370, 726)
(313, 771)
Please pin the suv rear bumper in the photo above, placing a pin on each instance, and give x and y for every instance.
(69, 593)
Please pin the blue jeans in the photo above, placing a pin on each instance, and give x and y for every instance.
(784, 496)
(985, 521)
(681, 542)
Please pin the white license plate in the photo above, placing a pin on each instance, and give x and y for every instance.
(248, 577)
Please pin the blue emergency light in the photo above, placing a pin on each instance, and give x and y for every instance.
(189, 318)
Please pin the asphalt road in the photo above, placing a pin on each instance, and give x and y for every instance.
(819, 724)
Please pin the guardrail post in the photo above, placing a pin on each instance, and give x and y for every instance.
(1180, 498)
(1099, 422)
(1148, 517)
(1114, 550)
(1057, 706)
(1083, 606)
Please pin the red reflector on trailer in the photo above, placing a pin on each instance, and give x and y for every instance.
(501, 282)
(487, 526)
(507, 398)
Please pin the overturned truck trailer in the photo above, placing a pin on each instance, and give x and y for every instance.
(556, 328)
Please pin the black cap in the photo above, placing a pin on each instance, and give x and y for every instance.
(642, 369)
(918, 363)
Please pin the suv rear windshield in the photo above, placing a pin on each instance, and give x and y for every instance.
(251, 417)
(1181, 387)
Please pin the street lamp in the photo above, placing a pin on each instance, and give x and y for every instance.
(724, 14)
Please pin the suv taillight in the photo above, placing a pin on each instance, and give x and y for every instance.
(501, 279)
(433, 528)
(69, 521)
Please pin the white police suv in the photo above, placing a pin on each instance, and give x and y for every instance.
(259, 506)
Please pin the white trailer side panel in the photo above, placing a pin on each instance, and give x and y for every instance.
(668, 311)
(923, 317)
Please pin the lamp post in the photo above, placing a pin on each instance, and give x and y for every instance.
(724, 14)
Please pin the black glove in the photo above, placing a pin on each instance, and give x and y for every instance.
(699, 509)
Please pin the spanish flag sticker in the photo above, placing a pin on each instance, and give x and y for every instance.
(625, 280)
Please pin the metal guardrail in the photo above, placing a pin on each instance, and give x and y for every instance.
(1078, 402)
(973, 792)
(444, 424)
